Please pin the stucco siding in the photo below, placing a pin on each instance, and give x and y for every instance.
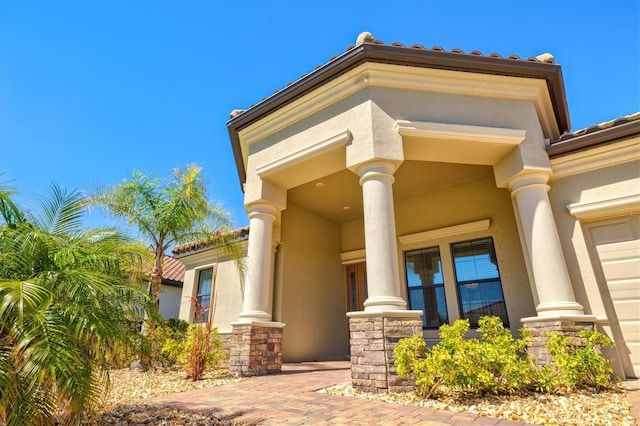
(313, 304)
(170, 301)
(469, 202)
(369, 116)
(228, 296)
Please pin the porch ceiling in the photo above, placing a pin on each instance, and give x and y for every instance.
(338, 197)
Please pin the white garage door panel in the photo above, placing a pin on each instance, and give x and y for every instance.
(621, 267)
(621, 270)
(631, 327)
(627, 311)
(623, 291)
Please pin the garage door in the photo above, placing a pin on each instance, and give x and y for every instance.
(618, 249)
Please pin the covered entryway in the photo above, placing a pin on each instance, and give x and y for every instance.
(388, 150)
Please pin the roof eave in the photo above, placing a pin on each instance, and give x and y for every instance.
(172, 283)
(590, 140)
(408, 56)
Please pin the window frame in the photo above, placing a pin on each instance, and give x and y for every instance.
(443, 238)
(423, 288)
(479, 282)
(198, 295)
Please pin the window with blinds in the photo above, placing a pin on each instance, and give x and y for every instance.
(426, 286)
(478, 280)
(203, 295)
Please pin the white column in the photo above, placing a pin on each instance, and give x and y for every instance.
(259, 273)
(553, 285)
(383, 278)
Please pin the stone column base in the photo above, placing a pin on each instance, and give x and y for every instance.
(372, 338)
(255, 349)
(569, 327)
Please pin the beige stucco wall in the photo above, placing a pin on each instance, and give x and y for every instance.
(227, 301)
(313, 301)
(352, 113)
(468, 202)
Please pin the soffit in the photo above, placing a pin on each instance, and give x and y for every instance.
(329, 195)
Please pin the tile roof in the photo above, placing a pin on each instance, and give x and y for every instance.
(600, 126)
(172, 270)
(598, 134)
(366, 37)
(241, 234)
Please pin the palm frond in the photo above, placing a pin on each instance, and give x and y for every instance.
(9, 211)
(60, 211)
(66, 297)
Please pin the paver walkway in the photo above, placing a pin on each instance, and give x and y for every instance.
(290, 398)
(633, 396)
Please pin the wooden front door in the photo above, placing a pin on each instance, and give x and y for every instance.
(356, 286)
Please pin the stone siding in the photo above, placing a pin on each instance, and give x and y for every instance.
(372, 341)
(255, 350)
(225, 338)
(536, 348)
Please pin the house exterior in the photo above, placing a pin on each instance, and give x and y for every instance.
(214, 281)
(398, 188)
(170, 297)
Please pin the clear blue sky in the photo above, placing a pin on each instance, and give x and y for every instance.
(92, 89)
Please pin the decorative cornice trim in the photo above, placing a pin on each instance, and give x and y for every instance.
(255, 323)
(385, 314)
(341, 139)
(449, 231)
(607, 209)
(596, 158)
(354, 256)
(460, 132)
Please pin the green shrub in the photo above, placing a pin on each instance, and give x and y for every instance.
(177, 325)
(497, 362)
(579, 366)
(175, 342)
(164, 341)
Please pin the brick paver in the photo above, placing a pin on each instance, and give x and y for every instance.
(633, 396)
(290, 398)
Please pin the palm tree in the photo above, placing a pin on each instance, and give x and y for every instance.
(168, 212)
(66, 297)
(9, 211)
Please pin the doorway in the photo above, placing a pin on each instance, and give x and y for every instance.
(356, 286)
